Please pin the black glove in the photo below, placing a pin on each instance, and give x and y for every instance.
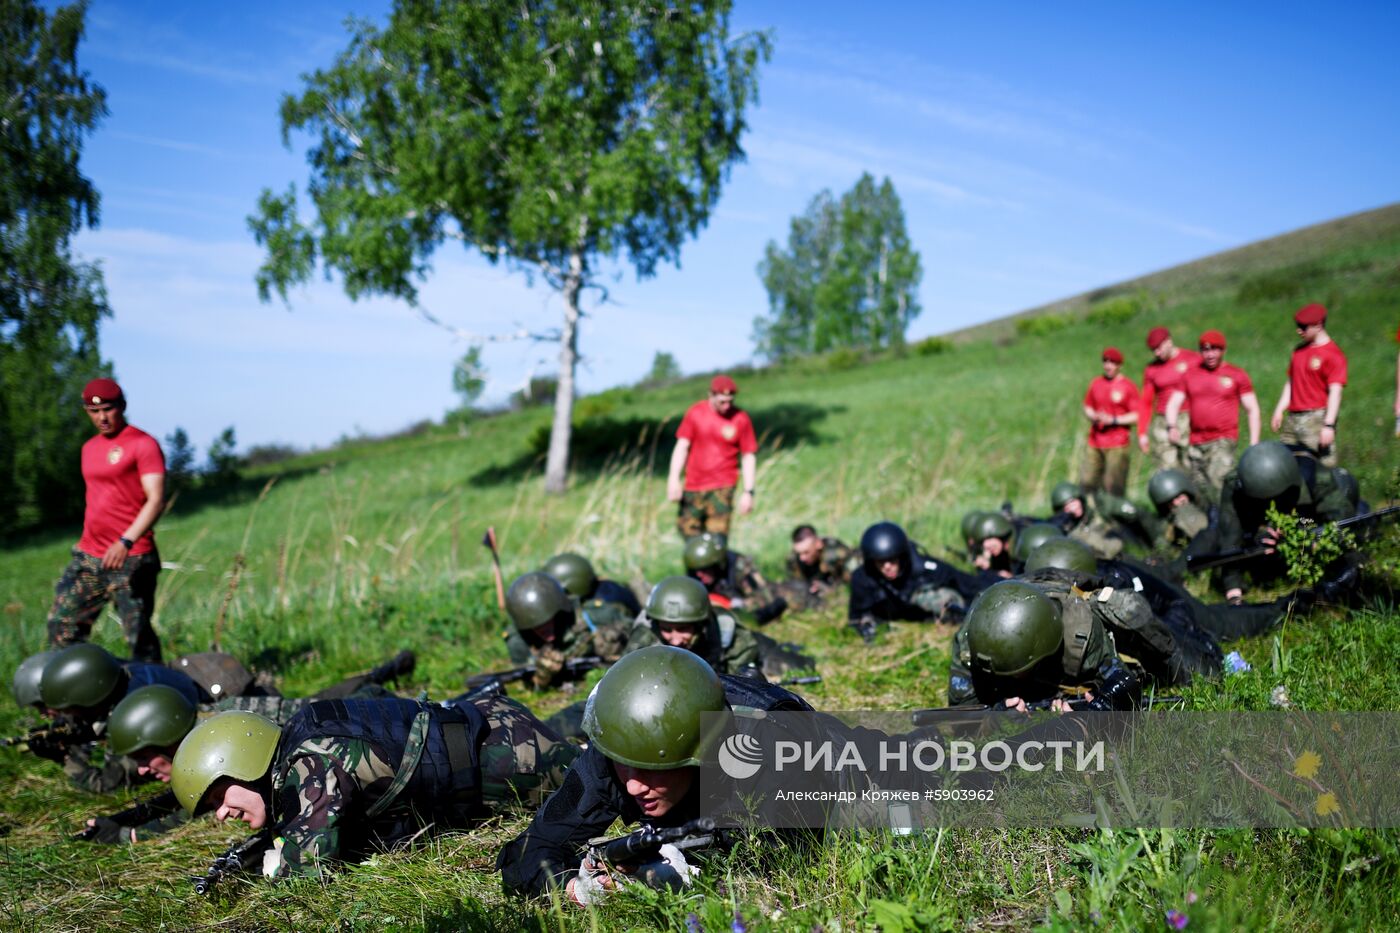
(49, 747)
(106, 831)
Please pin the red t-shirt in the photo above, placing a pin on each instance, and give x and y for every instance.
(112, 470)
(715, 445)
(1116, 396)
(1213, 400)
(1159, 380)
(1311, 371)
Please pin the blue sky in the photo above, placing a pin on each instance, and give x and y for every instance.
(1040, 150)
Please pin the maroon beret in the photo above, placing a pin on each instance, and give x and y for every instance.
(1155, 336)
(724, 384)
(1113, 355)
(101, 392)
(1213, 338)
(1309, 315)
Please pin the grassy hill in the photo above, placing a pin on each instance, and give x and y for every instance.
(349, 554)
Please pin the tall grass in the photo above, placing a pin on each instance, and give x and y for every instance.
(348, 555)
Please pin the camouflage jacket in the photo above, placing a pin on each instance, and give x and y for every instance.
(835, 566)
(1177, 527)
(726, 646)
(325, 787)
(1086, 653)
(740, 580)
(605, 639)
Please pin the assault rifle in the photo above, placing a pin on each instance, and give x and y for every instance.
(933, 717)
(644, 845)
(801, 681)
(59, 733)
(240, 857)
(572, 669)
(144, 811)
(1219, 559)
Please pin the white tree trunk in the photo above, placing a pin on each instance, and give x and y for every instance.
(556, 470)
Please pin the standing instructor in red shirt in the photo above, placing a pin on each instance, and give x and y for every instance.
(1307, 409)
(714, 443)
(1111, 405)
(116, 558)
(1215, 391)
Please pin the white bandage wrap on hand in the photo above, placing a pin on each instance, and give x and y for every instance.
(670, 870)
(587, 887)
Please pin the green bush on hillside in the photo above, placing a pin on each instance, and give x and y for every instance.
(1119, 309)
(1043, 324)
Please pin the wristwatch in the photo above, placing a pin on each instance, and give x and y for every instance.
(126, 541)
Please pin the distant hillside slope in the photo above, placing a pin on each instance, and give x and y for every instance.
(1219, 271)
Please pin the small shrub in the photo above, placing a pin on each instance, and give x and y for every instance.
(1307, 547)
(932, 346)
(1118, 310)
(843, 359)
(1043, 324)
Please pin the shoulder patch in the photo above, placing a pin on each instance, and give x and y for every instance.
(930, 565)
(1137, 584)
(1105, 594)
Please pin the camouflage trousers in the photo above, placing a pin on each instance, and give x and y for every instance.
(1208, 464)
(1166, 455)
(1304, 429)
(705, 510)
(523, 761)
(85, 588)
(937, 600)
(1098, 535)
(1105, 468)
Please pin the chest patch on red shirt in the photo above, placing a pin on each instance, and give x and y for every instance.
(114, 456)
(1315, 362)
(1116, 395)
(728, 432)
(1181, 367)
(1226, 382)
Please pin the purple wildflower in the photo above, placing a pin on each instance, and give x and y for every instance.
(1191, 897)
(1177, 920)
(692, 923)
(738, 925)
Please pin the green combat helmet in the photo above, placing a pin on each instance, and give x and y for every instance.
(535, 598)
(1063, 493)
(992, 525)
(705, 551)
(151, 717)
(970, 523)
(79, 676)
(646, 711)
(234, 744)
(1267, 470)
(1063, 553)
(574, 573)
(1011, 627)
(1032, 537)
(678, 599)
(1166, 485)
(25, 685)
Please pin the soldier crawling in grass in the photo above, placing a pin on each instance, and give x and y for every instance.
(599, 602)
(344, 777)
(817, 566)
(731, 578)
(547, 630)
(899, 582)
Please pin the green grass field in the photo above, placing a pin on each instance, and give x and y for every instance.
(351, 554)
